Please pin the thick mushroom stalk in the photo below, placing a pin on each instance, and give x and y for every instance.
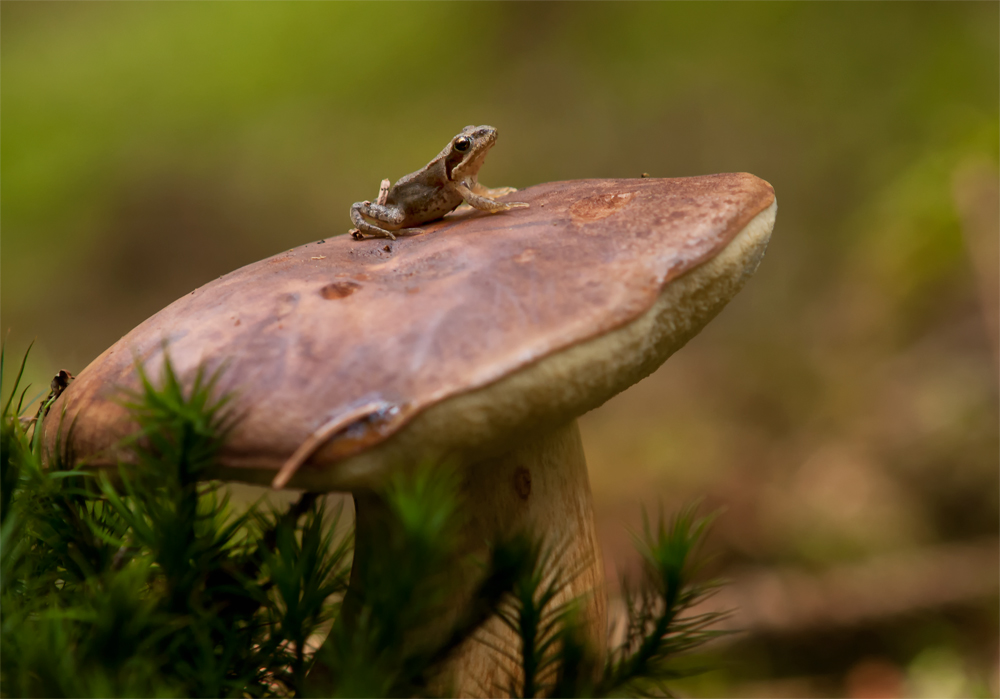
(541, 486)
(479, 341)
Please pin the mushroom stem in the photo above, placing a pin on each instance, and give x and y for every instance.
(540, 486)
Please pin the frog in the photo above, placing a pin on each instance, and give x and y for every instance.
(448, 181)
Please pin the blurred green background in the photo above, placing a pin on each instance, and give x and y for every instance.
(843, 409)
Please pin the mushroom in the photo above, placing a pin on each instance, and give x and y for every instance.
(480, 340)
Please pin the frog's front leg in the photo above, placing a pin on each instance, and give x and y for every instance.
(482, 203)
(489, 193)
(492, 193)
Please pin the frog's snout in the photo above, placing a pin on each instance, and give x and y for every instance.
(487, 133)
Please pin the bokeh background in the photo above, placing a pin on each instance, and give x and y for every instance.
(843, 410)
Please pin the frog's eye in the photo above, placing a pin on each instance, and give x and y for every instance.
(463, 144)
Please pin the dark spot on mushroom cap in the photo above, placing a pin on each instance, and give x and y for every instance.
(522, 482)
(338, 290)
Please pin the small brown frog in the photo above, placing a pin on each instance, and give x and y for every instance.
(433, 191)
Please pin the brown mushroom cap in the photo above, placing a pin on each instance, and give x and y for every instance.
(454, 341)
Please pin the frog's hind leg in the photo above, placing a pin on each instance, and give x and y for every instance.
(482, 203)
(362, 209)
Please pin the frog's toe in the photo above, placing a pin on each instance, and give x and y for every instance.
(508, 205)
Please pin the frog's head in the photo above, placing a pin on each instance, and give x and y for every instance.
(468, 151)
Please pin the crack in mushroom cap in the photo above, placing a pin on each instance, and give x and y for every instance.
(454, 342)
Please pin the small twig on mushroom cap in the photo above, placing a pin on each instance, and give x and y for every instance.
(316, 439)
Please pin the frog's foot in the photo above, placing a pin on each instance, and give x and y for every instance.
(365, 209)
(383, 192)
(507, 206)
(372, 231)
(358, 235)
(493, 193)
(482, 203)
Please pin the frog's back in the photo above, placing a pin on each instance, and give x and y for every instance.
(422, 201)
